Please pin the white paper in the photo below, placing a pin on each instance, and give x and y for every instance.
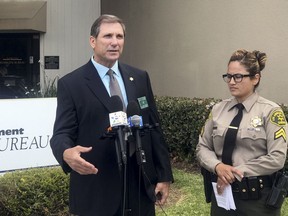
(224, 200)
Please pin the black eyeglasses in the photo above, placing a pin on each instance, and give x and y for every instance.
(237, 77)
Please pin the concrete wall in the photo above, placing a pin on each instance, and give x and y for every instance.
(68, 31)
(185, 44)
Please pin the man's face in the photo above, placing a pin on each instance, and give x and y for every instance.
(108, 45)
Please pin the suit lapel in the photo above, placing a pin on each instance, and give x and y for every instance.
(129, 83)
(96, 85)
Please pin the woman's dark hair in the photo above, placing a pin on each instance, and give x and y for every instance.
(254, 62)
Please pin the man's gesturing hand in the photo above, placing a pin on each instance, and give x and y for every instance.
(72, 157)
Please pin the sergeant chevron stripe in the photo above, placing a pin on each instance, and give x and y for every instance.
(280, 133)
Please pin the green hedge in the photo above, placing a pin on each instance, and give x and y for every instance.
(34, 192)
(44, 191)
(182, 120)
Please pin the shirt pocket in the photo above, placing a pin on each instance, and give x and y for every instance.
(254, 141)
(218, 131)
(218, 135)
(253, 134)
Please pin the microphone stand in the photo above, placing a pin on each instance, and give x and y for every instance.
(141, 158)
(124, 162)
(140, 154)
(138, 132)
(117, 135)
(120, 137)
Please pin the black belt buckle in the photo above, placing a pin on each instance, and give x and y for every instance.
(254, 189)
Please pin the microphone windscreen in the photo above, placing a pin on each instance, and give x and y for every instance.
(133, 108)
(117, 103)
(136, 120)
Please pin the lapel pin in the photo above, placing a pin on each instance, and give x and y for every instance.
(131, 78)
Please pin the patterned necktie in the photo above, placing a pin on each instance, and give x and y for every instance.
(114, 87)
(230, 138)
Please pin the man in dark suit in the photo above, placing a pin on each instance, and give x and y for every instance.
(84, 104)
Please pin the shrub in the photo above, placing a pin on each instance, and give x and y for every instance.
(49, 88)
(182, 120)
(34, 192)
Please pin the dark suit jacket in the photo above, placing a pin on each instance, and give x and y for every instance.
(82, 118)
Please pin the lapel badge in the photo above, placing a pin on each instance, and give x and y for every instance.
(256, 121)
(143, 103)
(131, 79)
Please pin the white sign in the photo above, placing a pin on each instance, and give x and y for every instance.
(26, 127)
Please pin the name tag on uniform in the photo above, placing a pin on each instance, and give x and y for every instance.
(254, 129)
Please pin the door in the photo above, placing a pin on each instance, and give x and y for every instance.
(19, 67)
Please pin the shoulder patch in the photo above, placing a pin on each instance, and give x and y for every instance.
(210, 116)
(202, 131)
(278, 118)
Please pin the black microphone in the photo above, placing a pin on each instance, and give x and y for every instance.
(136, 124)
(133, 108)
(118, 122)
(117, 103)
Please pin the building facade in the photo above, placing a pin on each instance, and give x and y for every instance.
(184, 45)
(41, 40)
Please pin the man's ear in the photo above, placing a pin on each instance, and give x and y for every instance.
(92, 41)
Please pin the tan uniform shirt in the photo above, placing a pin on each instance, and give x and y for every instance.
(261, 142)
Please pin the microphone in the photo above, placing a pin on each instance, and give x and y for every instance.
(136, 124)
(118, 121)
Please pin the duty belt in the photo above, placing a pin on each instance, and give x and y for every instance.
(250, 187)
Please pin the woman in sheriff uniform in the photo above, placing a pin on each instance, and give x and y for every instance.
(253, 131)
